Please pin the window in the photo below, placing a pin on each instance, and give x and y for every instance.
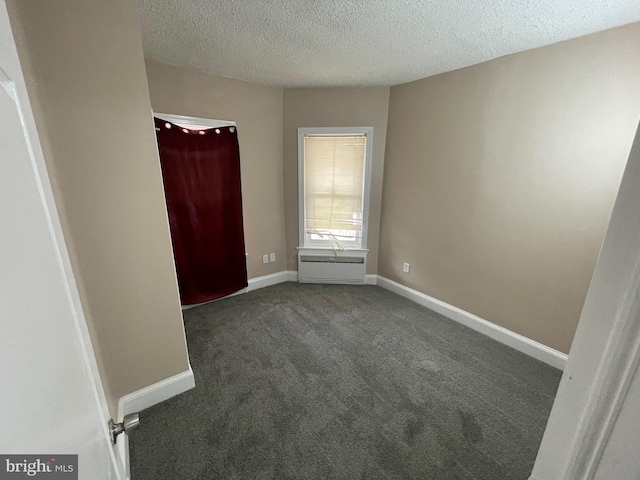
(333, 183)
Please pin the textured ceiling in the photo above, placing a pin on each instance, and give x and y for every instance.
(302, 43)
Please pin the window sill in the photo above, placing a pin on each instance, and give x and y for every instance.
(352, 252)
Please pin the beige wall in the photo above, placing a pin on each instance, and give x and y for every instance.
(500, 179)
(85, 74)
(257, 111)
(334, 107)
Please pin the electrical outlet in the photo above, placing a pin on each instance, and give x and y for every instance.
(265, 258)
(406, 267)
(272, 257)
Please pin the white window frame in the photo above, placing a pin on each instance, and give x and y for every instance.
(334, 132)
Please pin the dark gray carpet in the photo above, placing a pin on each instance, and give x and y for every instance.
(344, 382)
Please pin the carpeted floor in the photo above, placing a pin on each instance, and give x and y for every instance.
(344, 382)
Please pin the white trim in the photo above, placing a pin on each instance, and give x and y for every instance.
(256, 284)
(370, 279)
(267, 280)
(618, 365)
(503, 335)
(327, 251)
(239, 292)
(272, 279)
(335, 131)
(153, 394)
(122, 447)
(193, 121)
(145, 398)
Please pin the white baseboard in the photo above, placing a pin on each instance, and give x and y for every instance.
(271, 279)
(145, 398)
(267, 280)
(255, 284)
(239, 292)
(156, 393)
(291, 276)
(503, 335)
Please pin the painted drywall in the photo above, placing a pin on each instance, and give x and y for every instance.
(500, 179)
(257, 111)
(334, 107)
(85, 73)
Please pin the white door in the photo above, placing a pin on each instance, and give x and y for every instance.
(51, 398)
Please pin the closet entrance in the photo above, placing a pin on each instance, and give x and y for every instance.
(200, 161)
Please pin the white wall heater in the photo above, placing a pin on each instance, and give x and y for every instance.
(332, 267)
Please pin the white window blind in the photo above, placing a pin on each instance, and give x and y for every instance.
(334, 178)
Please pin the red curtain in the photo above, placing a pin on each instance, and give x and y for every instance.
(201, 174)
